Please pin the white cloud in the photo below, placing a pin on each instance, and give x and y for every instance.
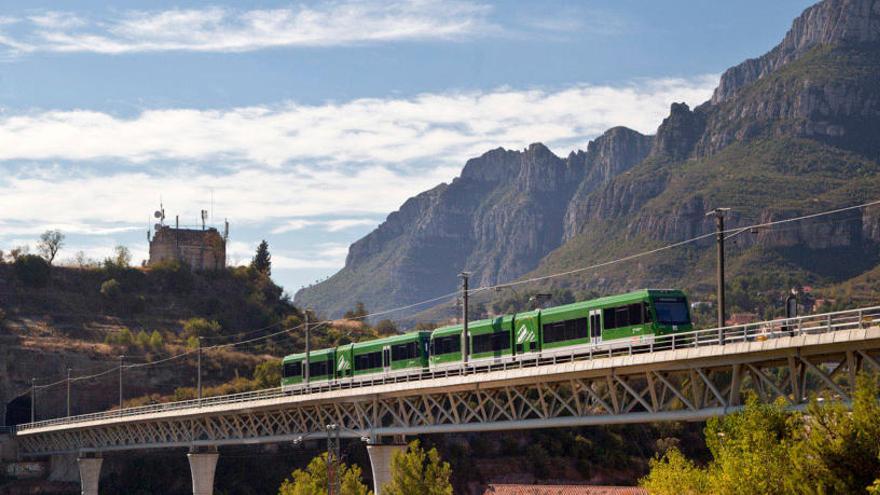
(289, 166)
(246, 196)
(220, 29)
(334, 225)
(322, 256)
(439, 127)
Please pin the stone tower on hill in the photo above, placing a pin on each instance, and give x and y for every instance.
(203, 249)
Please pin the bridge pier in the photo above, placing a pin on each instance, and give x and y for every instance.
(90, 474)
(202, 465)
(380, 462)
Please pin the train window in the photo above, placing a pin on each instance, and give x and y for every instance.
(292, 369)
(625, 316)
(565, 330)
(320, 368)
(447, 345)
(405, 351)
(368, 361)
(490, 342)
(672, 310)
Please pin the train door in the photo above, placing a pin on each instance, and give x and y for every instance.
(386, 358)
(596, 326)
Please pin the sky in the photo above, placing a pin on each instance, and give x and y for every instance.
(307, 123)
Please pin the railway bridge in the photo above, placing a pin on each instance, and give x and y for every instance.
(689, 377)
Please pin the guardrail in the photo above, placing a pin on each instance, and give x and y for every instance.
(750, 332)
(6, 430)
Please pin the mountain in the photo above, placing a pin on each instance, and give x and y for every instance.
(791, 132)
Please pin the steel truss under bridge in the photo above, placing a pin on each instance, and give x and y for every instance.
(692, 377)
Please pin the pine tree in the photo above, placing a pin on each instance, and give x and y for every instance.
(262, 261)
(418, 471)
(313, 480)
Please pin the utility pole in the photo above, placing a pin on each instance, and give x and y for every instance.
(306, 370)
(465, 338)
(68, 392)
(33, 400)
(199, 372)
(718, 213)
(121, 365)
(334, 484)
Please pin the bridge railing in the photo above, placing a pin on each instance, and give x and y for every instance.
(749, 332)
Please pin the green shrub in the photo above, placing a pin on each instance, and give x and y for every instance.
(200, 327)
(156, 340)
(268, 374)
(111, 289)
(32, 270)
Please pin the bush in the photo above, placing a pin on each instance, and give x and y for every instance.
(386, 327)
(156, 340)
(122, 337)
(268, 374)
(200, 327)
(32, 270)
(173, 277)
(111, 289)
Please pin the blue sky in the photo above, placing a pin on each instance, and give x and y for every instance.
(309, 122)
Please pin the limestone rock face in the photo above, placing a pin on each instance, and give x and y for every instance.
(783, 134)
(608, 156)
(826, 23)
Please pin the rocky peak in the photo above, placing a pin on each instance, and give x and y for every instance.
(616, 151)
(679, 132)
(607, 156)
(492, 166)
(830, 22)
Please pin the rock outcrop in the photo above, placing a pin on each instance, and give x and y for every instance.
(784, 132)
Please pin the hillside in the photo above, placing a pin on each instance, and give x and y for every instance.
(791, 132)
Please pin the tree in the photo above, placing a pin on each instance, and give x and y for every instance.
(313, 480)
(766, 450)
(121, 258)
(262, 261)
(200, 327)
(32, 270)
(418, 471)
(50, 243)
(674, 474)
(386, 327)
(268, 373)
(841, 449)
(358, 312)
(156, 340)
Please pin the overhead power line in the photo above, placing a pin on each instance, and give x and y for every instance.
(631, 257)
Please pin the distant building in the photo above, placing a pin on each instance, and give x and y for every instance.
(203, 249)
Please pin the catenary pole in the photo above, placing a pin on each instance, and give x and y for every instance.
(465, 337)
(33, 400)
(68, 392)
(718, 213)
(121, 366)
(199, 372)
(306, 369)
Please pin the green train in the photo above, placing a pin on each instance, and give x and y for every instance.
(634, 318)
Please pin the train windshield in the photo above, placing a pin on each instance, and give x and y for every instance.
(672, 311)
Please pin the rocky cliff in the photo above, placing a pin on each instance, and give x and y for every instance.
(790, 132)
(505, 213)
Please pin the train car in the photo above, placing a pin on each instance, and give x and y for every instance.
(445, 348)
(490, 340)
(634, 318)
(398, 353)
(322, 367)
